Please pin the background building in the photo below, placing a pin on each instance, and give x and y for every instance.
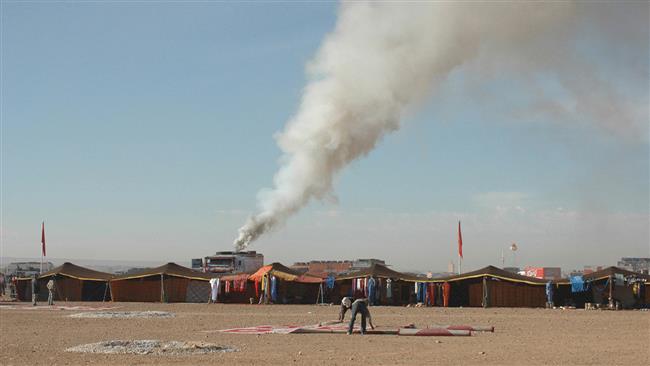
(635, 264)
(544, 273)
(27, 269)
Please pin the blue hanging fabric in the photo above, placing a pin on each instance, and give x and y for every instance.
(329, 282)
(371, 290)
(274, 289)
(549, 291)
(421, 292)
(577, 284)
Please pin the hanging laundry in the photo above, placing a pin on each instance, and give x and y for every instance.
(549, 292)
(577, 284)
(364, 286)
(446, 293)
(389, 288)
(371, 291)
(267, 289)
(330, 281)
(431, 294)
(421, 292)
(274, 289)
(619, 279)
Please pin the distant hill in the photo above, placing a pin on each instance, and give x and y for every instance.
(108, 265)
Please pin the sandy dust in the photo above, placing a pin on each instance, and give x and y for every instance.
(150, 347)
(521, 337)
(123, 314)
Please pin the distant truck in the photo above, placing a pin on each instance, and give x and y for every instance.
(233, 262)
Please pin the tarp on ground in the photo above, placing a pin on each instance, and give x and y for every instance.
(284, 273)
(378, 271)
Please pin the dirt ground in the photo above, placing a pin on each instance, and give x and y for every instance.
(521, 337)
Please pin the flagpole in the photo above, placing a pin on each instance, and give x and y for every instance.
(460, 249)
(42, 244)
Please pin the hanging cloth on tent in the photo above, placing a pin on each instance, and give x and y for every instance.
(371, 290)
(549, 292)
(329, 282)
(267, 289)
(431, 294)
(214, 289)
(422, 292)
(274, 289)
(389, 288)
(619, 279)
(446, 292)
(577, 284)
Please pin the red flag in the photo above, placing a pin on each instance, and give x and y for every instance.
(460, 242)
(43, 238)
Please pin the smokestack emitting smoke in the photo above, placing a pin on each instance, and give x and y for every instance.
(385, 57)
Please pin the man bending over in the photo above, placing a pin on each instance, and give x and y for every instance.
(358, 306)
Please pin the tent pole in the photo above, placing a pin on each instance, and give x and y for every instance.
(162, 288)
(105, 291)
(610, 298)
(318, 295)
(485, 293)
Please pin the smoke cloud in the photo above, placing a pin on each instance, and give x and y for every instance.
(382, 59)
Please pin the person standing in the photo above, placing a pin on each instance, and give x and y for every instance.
(50, 292)
(34, 290)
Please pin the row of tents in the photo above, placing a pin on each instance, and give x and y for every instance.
(486, 287)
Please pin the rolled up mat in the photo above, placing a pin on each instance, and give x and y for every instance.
(340, 331)
(433, 332)
(473, 328)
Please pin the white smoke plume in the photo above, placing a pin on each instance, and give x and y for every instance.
(383, 58)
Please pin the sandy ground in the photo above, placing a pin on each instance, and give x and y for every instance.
(522, 336)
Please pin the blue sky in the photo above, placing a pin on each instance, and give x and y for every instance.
(142, 131)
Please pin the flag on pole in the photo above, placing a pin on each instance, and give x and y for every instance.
(43, 238)
(460, 242)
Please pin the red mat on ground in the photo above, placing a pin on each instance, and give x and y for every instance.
(286, 329)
